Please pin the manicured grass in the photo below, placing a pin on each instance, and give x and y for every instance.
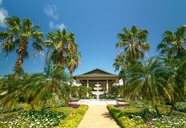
(65, 110)
(25, 106)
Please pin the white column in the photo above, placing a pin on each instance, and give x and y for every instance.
(87, 88)
(107, 86)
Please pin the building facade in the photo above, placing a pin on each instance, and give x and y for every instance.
(97, 76)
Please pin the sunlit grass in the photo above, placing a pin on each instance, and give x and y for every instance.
(65, 110)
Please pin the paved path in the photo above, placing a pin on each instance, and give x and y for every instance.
(97, 116)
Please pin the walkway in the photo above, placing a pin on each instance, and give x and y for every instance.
(97, 116)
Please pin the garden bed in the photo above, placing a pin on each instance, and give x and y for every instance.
(46, 118)
(140, 117)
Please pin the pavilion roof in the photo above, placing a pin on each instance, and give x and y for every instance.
(95, 73)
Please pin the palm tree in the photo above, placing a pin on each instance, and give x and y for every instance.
(176, 82)
(173, 43)
(133, 43)
(39, 89)
(132, 46)
(147, 81)
(58, 43)
(64, 50)
(11, 91)
(172, 47)
(73, 60)
(120, 64)
(17, 36)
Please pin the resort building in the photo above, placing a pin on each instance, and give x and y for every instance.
(97, 76)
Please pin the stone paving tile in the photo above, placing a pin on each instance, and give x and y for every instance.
(97, 116)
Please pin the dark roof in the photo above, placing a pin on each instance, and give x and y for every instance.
(96, 73)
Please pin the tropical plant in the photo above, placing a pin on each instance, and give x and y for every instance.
(18, 36)
(61, 44)
(173, 43)
(146, 81)
(176, 82)
(39, 90)
(133, 43)
(132, 47)
(64, 51)
(120, 64)
(116, 91)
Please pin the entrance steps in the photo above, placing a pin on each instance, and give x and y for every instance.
(97, 102)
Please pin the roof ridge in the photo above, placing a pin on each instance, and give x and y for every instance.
(98, 70)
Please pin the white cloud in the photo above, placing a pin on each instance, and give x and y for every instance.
(3, 15)
(56, 26)
(50, 10)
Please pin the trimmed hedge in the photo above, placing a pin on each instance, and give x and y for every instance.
(121, 119)
(73, 119)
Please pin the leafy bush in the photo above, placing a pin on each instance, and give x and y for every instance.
(129, 117)
(181, 106)
(73, 119)
(32, 119)
(169, 122)
(123, 120)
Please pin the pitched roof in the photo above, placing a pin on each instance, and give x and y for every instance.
(96, 73)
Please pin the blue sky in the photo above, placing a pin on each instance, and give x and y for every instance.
(95, 23)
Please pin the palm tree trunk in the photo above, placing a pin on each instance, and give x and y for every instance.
(70, 94)
(18, 67)
(22, 52)
(172, 108)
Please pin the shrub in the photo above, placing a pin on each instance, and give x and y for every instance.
(73, 119)
(123, 120)
(181, 106)
(32, 119)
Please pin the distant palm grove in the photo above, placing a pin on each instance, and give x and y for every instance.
(155, 81)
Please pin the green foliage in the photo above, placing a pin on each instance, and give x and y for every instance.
(73, 119)
(133, 43)
(123, 120)
(131, 116)
(168, 122)
(181, 106)
(145, 81)
(39, 90)
(80, 92)
(116, 91)
(173, 43)
(18, 35)
(65, 110)
(44, 118)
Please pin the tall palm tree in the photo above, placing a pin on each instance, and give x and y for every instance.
(173, 43)
(133, 43)
(73, 57)
(132, 46)
(17, 37)
(64, 50)
(58, 43)
(147, 80)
